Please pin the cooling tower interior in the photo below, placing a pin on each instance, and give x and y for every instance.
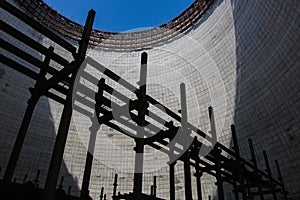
(205, 106)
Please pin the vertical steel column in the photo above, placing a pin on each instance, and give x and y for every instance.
(250, 196)
(285, 193)
(217, 153)
(62, 133)
(219, 178)
(238, 159)
(35, 96)
(69, 190)
(115, 187)
(142, 109)
(91, 148)
(154, 186)
(101, 194)
(186, 156)
(235, 190)
(268, 169)
(172, 179)
(89, 159)
(212, 125)
(198, 175)
(36, 180)
(258, 178)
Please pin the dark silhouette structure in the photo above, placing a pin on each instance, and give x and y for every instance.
(225, 164)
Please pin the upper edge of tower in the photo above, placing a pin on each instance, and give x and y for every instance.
(114, 40)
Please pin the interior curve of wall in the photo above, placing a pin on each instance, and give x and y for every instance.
(239, 56)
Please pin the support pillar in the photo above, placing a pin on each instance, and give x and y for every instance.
(142, 109)
(154, 186)
(187, 177)
(186, 156)
(268, 170)
(92, 141)
(172, 180)
(217, 153)
(198, 175)
(62, 133)
(258, 178)
(219, 178)
(32, 102)
(240, 166)
(115, 187)
(285, 193)
(89, 159)
(138, 170)
(235, 190)
(102, 193)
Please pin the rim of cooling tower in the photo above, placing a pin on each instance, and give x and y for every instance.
(49, 17)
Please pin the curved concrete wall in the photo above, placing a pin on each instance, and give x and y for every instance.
(267, 101)
(242, 58)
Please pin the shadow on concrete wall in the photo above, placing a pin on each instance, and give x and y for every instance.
(267, 87)
(37, 149)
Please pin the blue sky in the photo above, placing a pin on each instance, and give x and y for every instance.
(121, 15)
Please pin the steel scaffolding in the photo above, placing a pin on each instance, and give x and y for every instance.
(245, 176)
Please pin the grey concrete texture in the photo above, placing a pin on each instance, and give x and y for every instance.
(242, 58)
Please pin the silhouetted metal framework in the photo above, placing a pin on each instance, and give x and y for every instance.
(245, 176)
(112, 40)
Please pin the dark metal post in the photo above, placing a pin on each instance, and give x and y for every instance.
(219, 178)
(139, 149)
(61, 184)
(250, 195)
(115, 187)
(285, 193)
(69, 190)
(89, 158)
(240, 166)
(258, 178)
(187, 177)
(138, 170)
(61, 138)
(101, 194)
(25, 178)
(35, 96)
(154, 186)
(92, 141)
(268, 169)
(186, 156)
(217, 153)
(235, 190)
(36, 180)
(198, 175)
(212, 125)
(172, 180)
